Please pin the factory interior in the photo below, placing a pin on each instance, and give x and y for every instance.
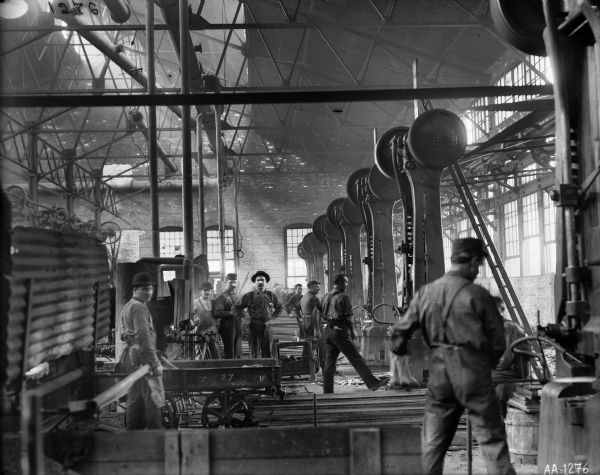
(190, 140)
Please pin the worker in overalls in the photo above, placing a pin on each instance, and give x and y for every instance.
(230, 326)
(205, 323)
(311, 310)
(263, 306)
(292, 307)
(338, 334)
(147, 395)
(464, 331)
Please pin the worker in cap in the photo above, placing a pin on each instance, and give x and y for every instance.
(146, 396)
(465, 334)
(338, 333)
(229, 324)
(142, 279)
(263, 306)
(292, 307)
(466, 248)
(311, 309)
(205, 322)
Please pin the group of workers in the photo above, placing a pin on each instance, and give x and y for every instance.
(459, 320)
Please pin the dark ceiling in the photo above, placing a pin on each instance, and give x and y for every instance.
(258, 45)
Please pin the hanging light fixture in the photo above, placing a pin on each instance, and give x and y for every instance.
(11, 9)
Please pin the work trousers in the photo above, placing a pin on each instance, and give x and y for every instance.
(141, 411)
(230, 330)
(338, 340)
(459, 379)
(301, 334)
(259, 339)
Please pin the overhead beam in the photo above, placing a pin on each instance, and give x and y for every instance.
(272, 97)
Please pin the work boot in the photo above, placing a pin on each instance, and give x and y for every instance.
(380, 383)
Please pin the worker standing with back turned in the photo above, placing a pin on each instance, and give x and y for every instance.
(465, 334)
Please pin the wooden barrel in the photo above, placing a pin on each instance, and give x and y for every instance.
(522, 435)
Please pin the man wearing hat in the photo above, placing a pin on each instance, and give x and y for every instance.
(263, 306)
(292, 307)
(311, 316)
(230, 325)
(146, 396)
(204, 319)
(338, 334)
(465, 334)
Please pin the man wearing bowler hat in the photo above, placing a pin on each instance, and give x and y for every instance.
(263, 306)
(464, 331)
(146, 396)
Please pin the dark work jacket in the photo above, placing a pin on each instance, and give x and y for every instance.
(262, 306)
(337, 308)
(453, 310)
(223, 305)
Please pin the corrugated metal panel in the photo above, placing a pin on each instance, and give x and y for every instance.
(60, 272)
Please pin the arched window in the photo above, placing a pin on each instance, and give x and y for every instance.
(213, 250)
(295, 267)
(171, 241)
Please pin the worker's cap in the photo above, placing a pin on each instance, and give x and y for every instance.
(206, 286)
(340, 279)
(142, 279)
(313, 282)
(466, 248)
(258, 274)
(231, 277)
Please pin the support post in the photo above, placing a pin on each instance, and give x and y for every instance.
(201, 215)
(69, 157)
(152, 144)
(33, 166)
(221, 170)
(187, 192)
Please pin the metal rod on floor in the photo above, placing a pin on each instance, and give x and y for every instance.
(314, 410)
(469, 446)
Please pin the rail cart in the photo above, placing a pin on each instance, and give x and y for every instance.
(220, 387)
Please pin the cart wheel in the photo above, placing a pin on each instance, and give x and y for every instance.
(170, 415)
(226, 410)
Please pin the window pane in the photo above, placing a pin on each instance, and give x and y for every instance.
(213, 251)
(511, 239)
(296, 267)
(531, 225)
(171, 243)
(532, 260)
(549, 234)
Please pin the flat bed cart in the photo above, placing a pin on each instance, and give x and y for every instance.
(222, 384)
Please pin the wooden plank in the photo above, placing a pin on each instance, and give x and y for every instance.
(401, 464)
(133, 467)
(147, 445)
(365, 451)
(299, 465)
(172, 462)
(281, 443)
(195, 452)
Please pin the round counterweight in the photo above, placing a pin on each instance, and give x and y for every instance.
(437, 138)
(384, 158)
(352, 185)
(384, 188)
(351, 212)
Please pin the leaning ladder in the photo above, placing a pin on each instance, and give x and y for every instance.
(502, 280)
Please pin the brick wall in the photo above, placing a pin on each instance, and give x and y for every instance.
(265, 204)
(535, 293)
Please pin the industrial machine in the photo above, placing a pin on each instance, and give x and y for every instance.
(569, 33)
